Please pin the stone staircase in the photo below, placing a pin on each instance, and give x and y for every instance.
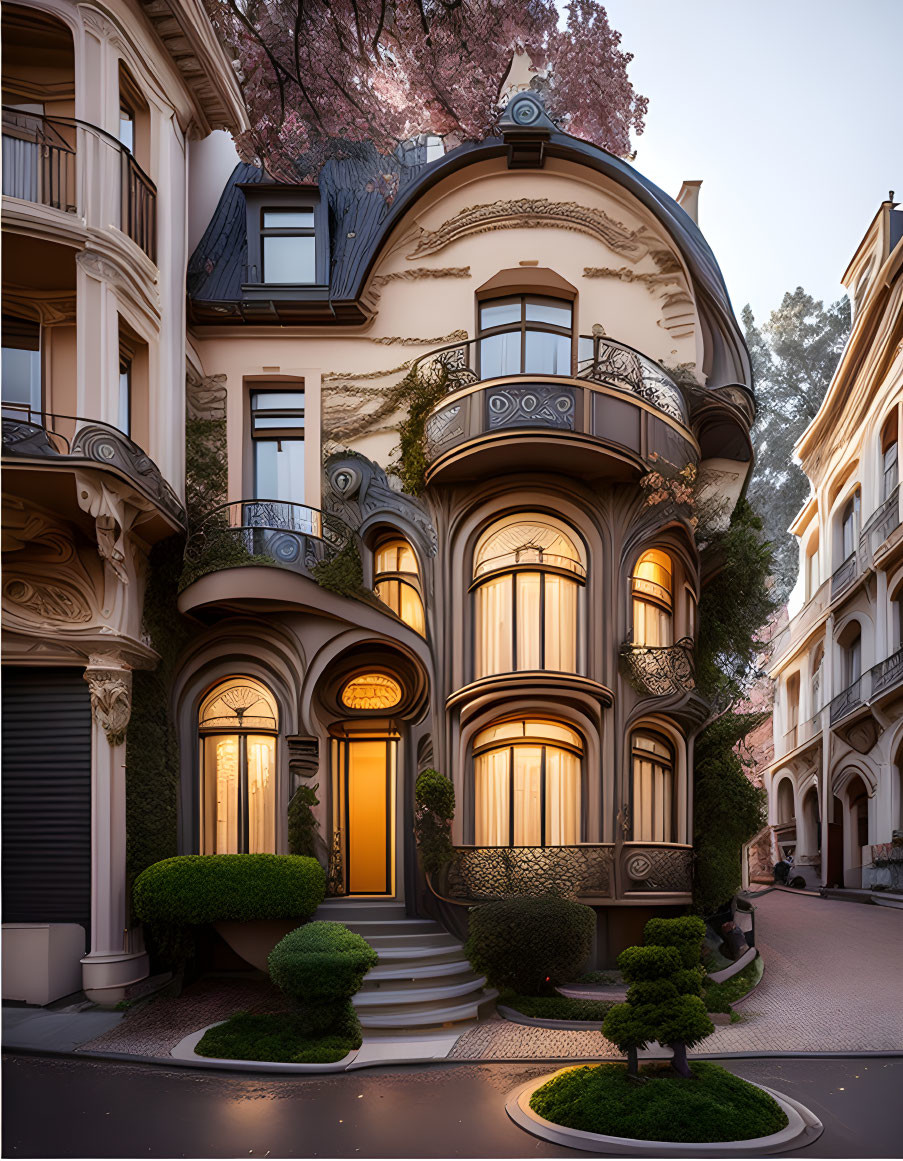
(423, 979)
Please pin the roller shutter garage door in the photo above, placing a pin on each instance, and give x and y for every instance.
(46, 863)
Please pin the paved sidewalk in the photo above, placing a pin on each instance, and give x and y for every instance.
(55, 1031)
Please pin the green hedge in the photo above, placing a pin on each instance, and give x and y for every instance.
(530, 945)
(434, 809)
(279, 1037)
(193, 889)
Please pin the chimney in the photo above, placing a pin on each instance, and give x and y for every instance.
(688, 199)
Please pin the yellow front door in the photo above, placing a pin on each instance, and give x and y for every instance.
(366, 792)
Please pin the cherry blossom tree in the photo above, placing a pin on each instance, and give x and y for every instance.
(321, 76)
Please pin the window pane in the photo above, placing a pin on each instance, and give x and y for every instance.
(22, 377)
(552, 730)
(528, 620)
(277, 400)
(221, 777)
(279, 470)
(549, 310)
(491, 786)
(494, 627)
(547, 354)
(651, 624)
(125, 400)
(289, 260)
(652, 801)
(499, 313)
(411, 611)
(389, 592)
(527, 796)
(500, 355)
(288, 219)
(562, 798)
(127, 130)
(561, 624)
(261, 794)
(278, 422)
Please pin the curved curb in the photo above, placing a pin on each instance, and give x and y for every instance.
(736, 967)
(515, 1017)
(185, 1050)
(803, 1128)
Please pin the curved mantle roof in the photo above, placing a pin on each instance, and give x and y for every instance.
(361, 218)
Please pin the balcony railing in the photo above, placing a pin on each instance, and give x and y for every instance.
(844, 576)
(265, 532)
(886, 674)
(660, 670)
(34, 435)
(600, 360)
(800, 625)
(847, 701)
(47, 160)
(880, 525)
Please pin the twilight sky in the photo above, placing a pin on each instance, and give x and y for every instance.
(790, 113)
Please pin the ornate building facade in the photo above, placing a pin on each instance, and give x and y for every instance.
(834, 781)
(420, 399)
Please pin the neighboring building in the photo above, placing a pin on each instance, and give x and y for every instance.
(100, 106)
(526, 625)
(834, 783)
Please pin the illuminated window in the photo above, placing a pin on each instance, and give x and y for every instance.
(396, 579)
(653, 806)
(652, 586)
(527, 576)
(237, 722)
(527, 785)
(371, 691)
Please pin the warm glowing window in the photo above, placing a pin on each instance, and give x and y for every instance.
(396, 579)
(527, 576)
(653, 807)
(238, 721)
(371, 691)
(527, 785)
(652, 588)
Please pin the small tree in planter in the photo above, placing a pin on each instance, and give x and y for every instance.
(663, 1000)
(434, 809)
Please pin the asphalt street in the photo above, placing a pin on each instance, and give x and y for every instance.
(65, 1107)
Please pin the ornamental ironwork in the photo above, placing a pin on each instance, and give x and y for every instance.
(534, 405)
(845, 574)
(880, 524)
(887, 673)
(846, 701)
(660, 670)
(658, 869)
(617, 365)
(335, 875)
(480, 873)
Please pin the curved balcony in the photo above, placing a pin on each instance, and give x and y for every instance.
(72, 166)
(611, 416)
(273, 533)
(660, 670)
(44, 440)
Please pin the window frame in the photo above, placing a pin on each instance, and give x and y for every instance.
(289, 433)
(664, 603)
(524, 326)
(267, 197)
(636, 751)
(411, 580)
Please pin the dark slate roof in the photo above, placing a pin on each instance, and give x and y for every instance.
(355, 192)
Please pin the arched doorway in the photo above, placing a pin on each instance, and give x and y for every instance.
(856, 831)
(810, 829)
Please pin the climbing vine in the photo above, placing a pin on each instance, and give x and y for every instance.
(420, 391)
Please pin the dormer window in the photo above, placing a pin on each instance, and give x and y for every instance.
(288, 252)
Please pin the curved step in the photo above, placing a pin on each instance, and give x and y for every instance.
(418, 995)
(420, 1015)
(408, 982)
(411, 939)
(419, 955)
(428, 970)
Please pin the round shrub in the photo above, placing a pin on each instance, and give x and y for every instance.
(530, 945)
(193, 889)
(686, 933)
(648, 963)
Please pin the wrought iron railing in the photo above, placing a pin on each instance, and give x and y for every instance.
(41, 156)
(660, 669)
(886, 674)
(800, 625)
(267, 532)
(851, 698)
(599, 360)
(880, 525)
(844, 575)
(32, 434)
(579, 872)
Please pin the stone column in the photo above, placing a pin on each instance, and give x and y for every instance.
(112, 963)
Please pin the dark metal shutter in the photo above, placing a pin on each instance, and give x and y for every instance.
(46, 863)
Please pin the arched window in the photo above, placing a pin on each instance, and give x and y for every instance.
(396, 579)
(851, 657)
(525, 335)
(812, 568)
(889, 467)
(849, 527)
(785, 804)
(238, 722)
(527, 574)
(818, 662)
(652, 589)
(652, 810)
(527, 784)
(793, 709)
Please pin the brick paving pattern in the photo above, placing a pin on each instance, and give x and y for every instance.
(832, 980)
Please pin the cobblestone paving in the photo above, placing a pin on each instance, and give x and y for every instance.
(154, 1029)
(832, 981)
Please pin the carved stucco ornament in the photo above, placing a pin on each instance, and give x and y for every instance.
(115, 511)
(357, 489)
(205, 398)
(535, 213)
(109, 679)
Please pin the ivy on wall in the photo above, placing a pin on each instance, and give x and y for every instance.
(302, 825)
(420, 391)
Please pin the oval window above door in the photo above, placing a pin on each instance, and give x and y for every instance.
(371, 691)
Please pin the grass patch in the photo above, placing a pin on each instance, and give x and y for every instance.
(278, 1038)
(712, 1105)
(556, 1007)
(719, 997)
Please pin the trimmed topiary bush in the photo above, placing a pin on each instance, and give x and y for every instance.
(319, 967)
(193, 889)
(530, 945)
(434, 809)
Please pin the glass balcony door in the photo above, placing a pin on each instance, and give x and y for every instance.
(277, 429)
(525, 336)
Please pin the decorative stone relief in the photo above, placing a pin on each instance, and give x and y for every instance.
(357, 489)
(678, 315)
(650, 280)
(443, 427)
(205, 398)
(303, 755)
(115, 511)
(535, 213)
(378, 281)
(533, 406)
(109, 679)
(50, 309)
(398, 340)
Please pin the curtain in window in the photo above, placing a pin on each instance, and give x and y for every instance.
(562, 798)
(495, 626)
(653, 790)
(491, 783)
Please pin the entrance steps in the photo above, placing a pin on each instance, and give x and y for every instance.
(423, 979)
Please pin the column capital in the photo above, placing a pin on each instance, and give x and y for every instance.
(109, 678)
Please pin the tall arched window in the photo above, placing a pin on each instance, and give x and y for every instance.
(527, 784)
(849, 527)
(528, 570)
(652, 586)
(396, 579)
(786, 809)
(238, 722)
(654, 801)
(889, 468)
